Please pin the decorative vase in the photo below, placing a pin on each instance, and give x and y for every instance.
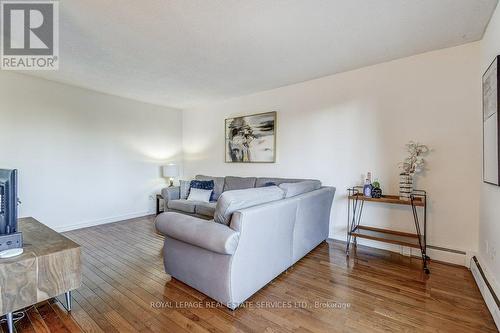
(405, 186)
(377, 193)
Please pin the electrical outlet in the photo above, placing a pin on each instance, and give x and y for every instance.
(151, 197)
(493, 253)
(487, 247)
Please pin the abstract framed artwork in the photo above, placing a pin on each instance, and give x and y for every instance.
(251, 139)
(491, 124)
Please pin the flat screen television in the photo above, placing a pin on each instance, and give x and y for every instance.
(8, 201)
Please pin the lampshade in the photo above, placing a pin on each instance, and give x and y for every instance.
(170, 171)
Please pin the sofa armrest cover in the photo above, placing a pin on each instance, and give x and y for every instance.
(171, 193)
(297, 188)
(209, 235)
(231, 201)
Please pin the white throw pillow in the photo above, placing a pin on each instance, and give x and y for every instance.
(197, 194)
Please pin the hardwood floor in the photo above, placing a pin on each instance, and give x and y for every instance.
(125, 289)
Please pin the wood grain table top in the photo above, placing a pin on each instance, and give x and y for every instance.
(49, 266)
(389, 198)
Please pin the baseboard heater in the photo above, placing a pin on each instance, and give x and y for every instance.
(489, 295)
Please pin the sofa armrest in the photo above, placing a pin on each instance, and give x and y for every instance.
(171, 193)
(209, 235)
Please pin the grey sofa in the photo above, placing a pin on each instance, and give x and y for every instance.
(174, 202)
(269, 228)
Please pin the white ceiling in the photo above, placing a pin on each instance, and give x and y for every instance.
(182, 53)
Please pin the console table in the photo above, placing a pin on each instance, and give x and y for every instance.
(418, 240)
(49, 266)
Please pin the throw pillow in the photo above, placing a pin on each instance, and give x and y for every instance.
(184, 188)
(218, 184)
(196, 194)
(204, 185)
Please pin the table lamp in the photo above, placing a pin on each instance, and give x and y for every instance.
(170, 171)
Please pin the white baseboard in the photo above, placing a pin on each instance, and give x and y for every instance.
(485, 290)
(440, 254)
(444, 255)
(91, 223)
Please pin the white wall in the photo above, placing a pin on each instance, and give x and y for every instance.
(338, 127)
(83, 157)
(87, 158)
(489, 226)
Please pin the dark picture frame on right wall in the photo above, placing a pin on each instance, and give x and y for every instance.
(491, 124)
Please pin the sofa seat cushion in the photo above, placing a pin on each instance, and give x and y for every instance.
(239, 183)
(293, 189)
(232, 201)
(205, 208)
(182, 205)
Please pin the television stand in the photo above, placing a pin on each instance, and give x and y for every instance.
(50, 266)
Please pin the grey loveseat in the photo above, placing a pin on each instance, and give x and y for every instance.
(265, 226)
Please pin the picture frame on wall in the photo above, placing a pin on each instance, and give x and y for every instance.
(251, 139)
(491, 124)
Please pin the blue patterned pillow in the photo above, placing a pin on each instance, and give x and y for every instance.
(204, 185)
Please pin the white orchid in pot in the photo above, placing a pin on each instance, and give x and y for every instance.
(411, 165)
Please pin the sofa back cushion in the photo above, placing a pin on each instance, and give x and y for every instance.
(238, 183)
(231, 201)
(218, 184)
(293, 189)
(261, 182)
(184, 186)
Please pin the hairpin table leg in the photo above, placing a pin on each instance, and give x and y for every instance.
(68, 300)
(10, 322)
